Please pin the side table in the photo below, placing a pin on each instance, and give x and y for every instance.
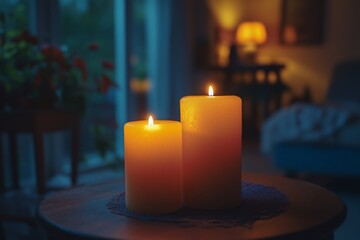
(38, 122)
(81, 213)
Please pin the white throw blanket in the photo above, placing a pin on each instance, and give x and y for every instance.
(306, 122)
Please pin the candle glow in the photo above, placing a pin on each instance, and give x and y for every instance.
(211, 91)
(151, 120)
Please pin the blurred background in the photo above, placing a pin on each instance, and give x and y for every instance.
(294, 63)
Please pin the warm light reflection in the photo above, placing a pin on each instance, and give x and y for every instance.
(140, 85)
(211, 91)
(289, 34)
(151, 120)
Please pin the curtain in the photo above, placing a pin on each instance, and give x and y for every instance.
(168, 65)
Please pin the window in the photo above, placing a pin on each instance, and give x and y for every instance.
(87, 30)
(14, 14)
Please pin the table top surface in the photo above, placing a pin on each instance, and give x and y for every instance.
(81, 213)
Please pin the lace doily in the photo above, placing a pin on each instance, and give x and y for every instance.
(259, 202)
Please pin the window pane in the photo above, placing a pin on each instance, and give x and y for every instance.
(14, 18)
(87, 31)
(139, 81)
(14, 14)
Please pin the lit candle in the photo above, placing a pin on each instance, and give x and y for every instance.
(211, 151)
(153, 166)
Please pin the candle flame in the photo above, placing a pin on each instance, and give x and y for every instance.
(211, 91)
(151, 120)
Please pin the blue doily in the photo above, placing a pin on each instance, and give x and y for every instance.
(259, 202)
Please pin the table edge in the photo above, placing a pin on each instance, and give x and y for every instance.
(330, 225)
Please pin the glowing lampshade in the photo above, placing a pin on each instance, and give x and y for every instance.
(251, 32)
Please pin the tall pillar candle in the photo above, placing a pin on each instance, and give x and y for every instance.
(153, 181)
(212, 128)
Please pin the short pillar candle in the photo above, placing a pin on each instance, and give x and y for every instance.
(212, 128)
(153, 155)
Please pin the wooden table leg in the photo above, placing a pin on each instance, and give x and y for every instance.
(74, 154)
(2, 167)
(39, 161)
(14, 160)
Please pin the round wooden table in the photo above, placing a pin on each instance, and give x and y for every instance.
(81, 213)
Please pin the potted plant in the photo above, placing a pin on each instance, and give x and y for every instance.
(44, 76)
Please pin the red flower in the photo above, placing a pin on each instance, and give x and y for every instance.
(52, 53)
(108, 65)
(25, 35)
(93, 46)
(80, 64)
(105, 84)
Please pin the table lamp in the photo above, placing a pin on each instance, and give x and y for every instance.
(249, 35)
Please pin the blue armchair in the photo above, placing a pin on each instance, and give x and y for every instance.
(341, 156)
